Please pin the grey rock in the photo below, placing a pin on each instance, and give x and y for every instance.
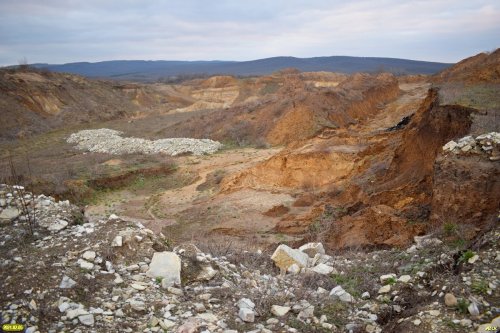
(246, 315)
(67, 283)
(87, 319)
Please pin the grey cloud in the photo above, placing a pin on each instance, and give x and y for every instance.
(64, 31)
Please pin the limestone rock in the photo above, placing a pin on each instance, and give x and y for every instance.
(294, 269)
(84, 264)
(311, 249)
(279, 311)
(323, 269)
(87, 319)
(166, 265)
(89, 255)
(387, 277)
(67, 283)
(339, 293)
(473, 309)
(385, 289)
(404, 278)
(117, 241)
(245, 303)
(57, 225)
(9, 214)
(246, 315)
(206, 273)
(284, 256)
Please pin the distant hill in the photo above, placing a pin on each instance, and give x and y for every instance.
(140, 70)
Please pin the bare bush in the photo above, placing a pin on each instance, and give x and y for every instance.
(26, 199)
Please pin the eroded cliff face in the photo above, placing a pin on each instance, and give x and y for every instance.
(466, 190)
(389, 182)
(35, 101)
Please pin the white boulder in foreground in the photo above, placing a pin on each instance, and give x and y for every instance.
(284, 257)
(166, 265)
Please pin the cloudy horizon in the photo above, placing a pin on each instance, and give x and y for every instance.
(58, 31)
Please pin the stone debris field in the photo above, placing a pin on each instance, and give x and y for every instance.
(111, 142)
(113, 275)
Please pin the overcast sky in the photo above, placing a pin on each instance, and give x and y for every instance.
(61, 31)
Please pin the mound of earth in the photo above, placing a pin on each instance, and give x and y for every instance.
(35, 101)
(295, 107)
(481, 68)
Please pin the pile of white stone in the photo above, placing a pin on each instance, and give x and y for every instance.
(111, 142)
(20, 206)
(486, 143)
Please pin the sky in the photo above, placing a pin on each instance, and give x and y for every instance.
(62, 31)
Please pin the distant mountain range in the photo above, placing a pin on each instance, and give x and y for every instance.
(140, 70)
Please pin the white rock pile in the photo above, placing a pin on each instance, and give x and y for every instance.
(19, 207)
(488, 143)
(111, 142)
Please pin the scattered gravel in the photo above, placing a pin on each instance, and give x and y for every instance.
(111, 141)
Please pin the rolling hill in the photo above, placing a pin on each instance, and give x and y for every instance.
(141, 70)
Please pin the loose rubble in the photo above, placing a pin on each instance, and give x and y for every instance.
(85, 280)
(488, 144)
(111, 141)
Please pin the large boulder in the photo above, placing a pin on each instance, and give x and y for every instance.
(166, 265)
(284, 256)
(9, 214)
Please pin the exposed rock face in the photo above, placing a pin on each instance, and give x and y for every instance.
(466, 186)
(39, 101)
(377, 225)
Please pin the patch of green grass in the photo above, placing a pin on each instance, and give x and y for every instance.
(304, 327)
(391, 281)
(336, 312)
(158, 279)
(480, 287)
(479, 96)
(315, 227)
(449, 323)
(462, 306)
(350, 283)
(458, 243)
(450, 228)
(466, 256)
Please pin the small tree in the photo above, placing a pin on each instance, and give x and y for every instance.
(26, 199)
(23, 64)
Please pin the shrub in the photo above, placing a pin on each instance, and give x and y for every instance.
(466, 256)
(462, 306)
(480, 286)
(450, 228)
